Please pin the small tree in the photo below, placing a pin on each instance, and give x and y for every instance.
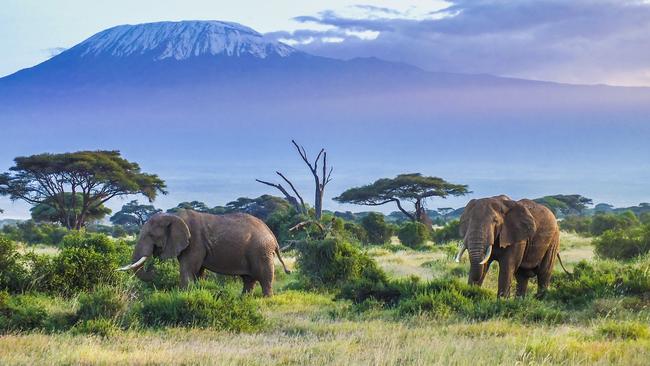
(133, 214)
(97, 175)
(199, 207)
(379, 232)
(47, 211)
(413, 188)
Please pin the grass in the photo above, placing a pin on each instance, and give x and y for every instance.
(312, 328)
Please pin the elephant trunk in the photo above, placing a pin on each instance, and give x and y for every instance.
(477, 254)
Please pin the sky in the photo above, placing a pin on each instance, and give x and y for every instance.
(578, 41)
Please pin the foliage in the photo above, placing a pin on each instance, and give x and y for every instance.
(413, 234)
(377, 230)
(576, 224)
(21, 313)
(29, 232)
(573, 204)
(103, 302)
(333, 262)
(603, 222)
(133, 215)
(447, 233)
(605, 279)
(199, 207)
(97, 175)
(12, 274)
(200, 308)
(261, 207)
(48, 211)
(623, 243)
(101, 327)
(356, 232)
(413, 187)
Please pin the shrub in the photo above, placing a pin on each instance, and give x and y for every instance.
(100, 327)
(604, 279)
(448, 233)
(356, 232)
(333, 262)
(413, 234)
(13, 275)
(22, 312)
(378, 231)
(623, 243)
(104, 302)
(607, 221)
(576, 224)
(201, 308)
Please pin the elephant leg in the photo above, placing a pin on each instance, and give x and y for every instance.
(249, 284)
(505, 280)
(522, 283)
(266, 275)
(189, 270)
(546, 267)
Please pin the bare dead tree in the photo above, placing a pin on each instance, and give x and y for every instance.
(320, 181)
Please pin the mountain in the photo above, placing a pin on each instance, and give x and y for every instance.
(213, 105)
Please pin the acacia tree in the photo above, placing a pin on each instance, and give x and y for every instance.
(320, 181)
(572, 204)
(47, 212)
(97, 176)
(133, 214)
(412, 187)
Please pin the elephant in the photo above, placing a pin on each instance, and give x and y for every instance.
(231, 244)
(523, 236)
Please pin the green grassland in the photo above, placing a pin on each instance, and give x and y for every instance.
(312, 327)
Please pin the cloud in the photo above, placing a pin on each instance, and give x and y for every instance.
(51, 52)
(596, 41)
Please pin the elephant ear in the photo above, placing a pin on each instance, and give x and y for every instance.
(178, 236)
(519, 225)
(464, 218)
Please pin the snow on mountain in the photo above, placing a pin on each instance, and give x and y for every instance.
(181, 40)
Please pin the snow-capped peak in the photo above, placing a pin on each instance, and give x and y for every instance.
(182, 40)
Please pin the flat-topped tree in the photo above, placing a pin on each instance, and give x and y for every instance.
(92, 176)
(134, 214)
(413, 187)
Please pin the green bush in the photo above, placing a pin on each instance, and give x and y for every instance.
(356, 232)
(602, 222)
(30, 232)
(604, 279)
(576, 224)
(100, 327)
(330, 263)
(22, 312)
(104, 302)
(378, 231)
(13, 275)
(449, 232)
(623, 243)
(413, 234)
(200, 308)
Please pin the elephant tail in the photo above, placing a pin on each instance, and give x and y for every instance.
(277, 252)
(562, 265)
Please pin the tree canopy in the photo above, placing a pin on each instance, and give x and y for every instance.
(97, 175)
(573, 204)
(413, 187)
(261, 207)
(47, 211)
(199, 207)
(133, 214)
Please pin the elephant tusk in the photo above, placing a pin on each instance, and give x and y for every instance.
(135, 265)
(460, 252)
(488, 253)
